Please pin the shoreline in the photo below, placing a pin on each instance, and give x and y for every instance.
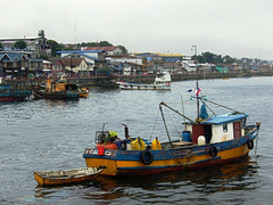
(110, 81)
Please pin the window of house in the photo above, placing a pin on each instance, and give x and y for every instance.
(225, 127)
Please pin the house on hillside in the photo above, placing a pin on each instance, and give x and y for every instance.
(37, 44)
(224, 68)
(109, 50)
(73, 67)
(19, 64)
(189, 66)
(265, 68)
(162, 57)
(130, 64)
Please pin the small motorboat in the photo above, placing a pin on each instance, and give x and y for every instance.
(62, 177)
(84, 92)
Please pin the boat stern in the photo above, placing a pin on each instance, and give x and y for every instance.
(107, 159)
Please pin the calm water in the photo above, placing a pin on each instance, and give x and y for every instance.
(46, 135)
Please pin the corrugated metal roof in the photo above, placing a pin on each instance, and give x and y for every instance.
(221, 119)
(102, 48)
(12, 56)
(80, 51)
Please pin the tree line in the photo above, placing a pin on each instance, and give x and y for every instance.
(55, 46)
(208, 57)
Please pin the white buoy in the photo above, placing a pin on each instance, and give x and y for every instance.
(201, 140)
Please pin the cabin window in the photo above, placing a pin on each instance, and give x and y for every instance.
(225, 127)
(243, 124)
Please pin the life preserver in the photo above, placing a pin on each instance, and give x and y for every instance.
(146, 157)
(213, 151)
(250, 144)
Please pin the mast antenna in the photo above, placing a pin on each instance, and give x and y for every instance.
(197, 87)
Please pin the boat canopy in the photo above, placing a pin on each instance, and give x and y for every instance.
(221, 119)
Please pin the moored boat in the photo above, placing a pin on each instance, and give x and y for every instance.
(206, 141)
(162, 82)
(57, 91)
(9, 94)
(63, 177)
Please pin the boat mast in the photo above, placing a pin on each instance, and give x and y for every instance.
(197, 87)
(168, 134)
(197, 98)
(176, 111)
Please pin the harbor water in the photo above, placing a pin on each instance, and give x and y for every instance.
(52, 135)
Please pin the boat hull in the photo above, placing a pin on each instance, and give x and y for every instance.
(129, 163)
(66, 177)
(14, 95)
(62, 95)
(139, 86)
(13, 98)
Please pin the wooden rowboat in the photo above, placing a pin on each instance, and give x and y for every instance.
(49, 178)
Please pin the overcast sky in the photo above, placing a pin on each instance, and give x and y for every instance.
(239, 28)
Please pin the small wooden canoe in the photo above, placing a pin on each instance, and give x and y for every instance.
(49, 178)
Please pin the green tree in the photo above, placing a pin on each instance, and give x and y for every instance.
(41, 33)
(20, 44)
(96, 44)
(55, 46)
(105, 43)
(228, 59)
(1, 47)
(124, 50)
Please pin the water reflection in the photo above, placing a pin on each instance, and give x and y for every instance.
(225, 178)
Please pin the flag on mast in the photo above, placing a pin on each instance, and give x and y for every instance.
(198, 91)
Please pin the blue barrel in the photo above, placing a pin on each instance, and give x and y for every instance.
(186, 136)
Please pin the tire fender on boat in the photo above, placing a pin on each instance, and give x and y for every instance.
(250, 144)
(213, 151)
(146, 157)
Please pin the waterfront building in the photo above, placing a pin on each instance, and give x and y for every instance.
(16, 64)
(73, 66)
(108, 50)
(82, 63)
(37, 45)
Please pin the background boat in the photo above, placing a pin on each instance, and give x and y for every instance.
(57, 91)
(162, 82)
(9, 94)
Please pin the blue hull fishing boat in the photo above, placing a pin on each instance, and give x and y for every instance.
(206, 141)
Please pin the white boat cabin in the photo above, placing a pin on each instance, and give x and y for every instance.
(218, 128)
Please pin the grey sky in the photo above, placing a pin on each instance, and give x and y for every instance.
(239, 28)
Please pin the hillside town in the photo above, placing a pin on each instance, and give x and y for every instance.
(35, 59)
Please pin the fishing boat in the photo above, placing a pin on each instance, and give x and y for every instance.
(50, 178)
(9, 94)
(206, 141)
(57, 91)
(162, 82)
